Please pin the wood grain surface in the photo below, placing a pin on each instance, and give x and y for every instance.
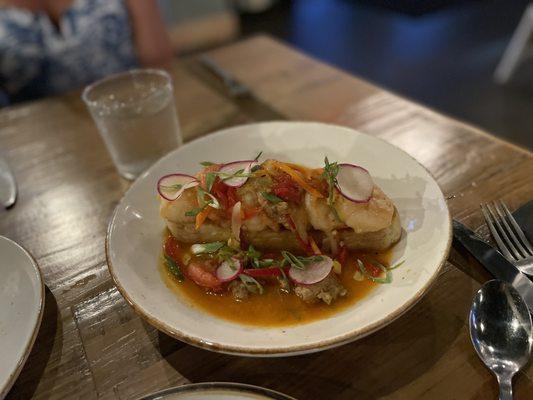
(92, 345)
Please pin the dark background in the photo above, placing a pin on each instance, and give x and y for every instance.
(440, 53)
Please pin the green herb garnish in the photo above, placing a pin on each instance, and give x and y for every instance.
(330, 175)
(173, 268)
(211, 200)
(298, 261)
(291, 259)
(209, 180)
(195, 211)
(207, 163)
(265, 263)
(232, 262)
(200, 195)
(384, 270)
(285, 283)
(251, 284)
(206, 248)
(259, 155)
(225, 253)
(252, 252)
(271, 197)
(396, 265)
(253, 255)
(224, 176)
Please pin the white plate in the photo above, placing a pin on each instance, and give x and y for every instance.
(217, 391)
(135, 233)
(21, 309)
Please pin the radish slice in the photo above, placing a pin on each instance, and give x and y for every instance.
(354, 183)
(236, 220)
(229, 270)
(312, 273)
(171, 187)
(232, 167)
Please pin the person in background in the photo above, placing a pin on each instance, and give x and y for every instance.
(50, 46)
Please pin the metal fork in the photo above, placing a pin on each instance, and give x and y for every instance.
(509, 237)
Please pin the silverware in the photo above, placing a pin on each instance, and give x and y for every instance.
(494, 262)
(500, 329)
(234, 87)
(8, 186)
(509, 237)
(241, 95)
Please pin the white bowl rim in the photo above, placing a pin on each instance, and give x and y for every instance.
(355, 334)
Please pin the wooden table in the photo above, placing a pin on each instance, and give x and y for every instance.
(91, 344)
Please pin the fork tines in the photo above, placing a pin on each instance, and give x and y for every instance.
(510, 239)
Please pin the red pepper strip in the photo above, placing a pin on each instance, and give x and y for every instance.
(373, 270)
(287, 189)
(264, 272)
(341, 258)
(251, 212)
(171, 248)
(231, 193)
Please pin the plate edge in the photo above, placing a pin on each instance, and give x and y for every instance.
(29, 345)
(295, 350)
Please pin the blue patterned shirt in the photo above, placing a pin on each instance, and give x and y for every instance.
(94, 39)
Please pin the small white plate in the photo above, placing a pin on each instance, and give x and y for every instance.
(135, 233)
(217, 391)
(21, 309)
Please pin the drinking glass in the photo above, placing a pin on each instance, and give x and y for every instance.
(136, 116)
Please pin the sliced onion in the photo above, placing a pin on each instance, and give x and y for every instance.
(312, 273)
(354, 183)
(171, 187)
(299, 225)
(236, 220)
(229, 270)
(232, 167)
(215, 203)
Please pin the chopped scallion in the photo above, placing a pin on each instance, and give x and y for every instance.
(257, 156)
(271, 197)
(330, 175)
(206, 248)
(173, 268)
(386, 279)
(209, 180)
(396, 265)
(251, 284)
(195, 211)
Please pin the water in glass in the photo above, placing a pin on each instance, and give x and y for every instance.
(136, 116)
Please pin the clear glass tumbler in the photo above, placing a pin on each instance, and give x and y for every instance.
(136, 115)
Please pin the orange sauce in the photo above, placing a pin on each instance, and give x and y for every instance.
(274, 307)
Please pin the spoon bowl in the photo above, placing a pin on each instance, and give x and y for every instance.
(501, 331)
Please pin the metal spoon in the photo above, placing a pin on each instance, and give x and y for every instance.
(501, 331)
